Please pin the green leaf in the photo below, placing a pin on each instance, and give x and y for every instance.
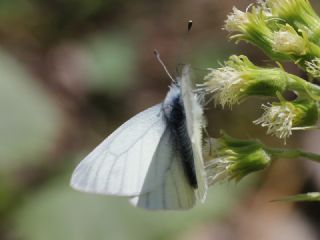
(307, 197)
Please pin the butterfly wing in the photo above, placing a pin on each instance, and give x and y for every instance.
(175, 191)
(120, 164)
(195, 122)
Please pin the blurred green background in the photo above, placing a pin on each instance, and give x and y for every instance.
(71, 71)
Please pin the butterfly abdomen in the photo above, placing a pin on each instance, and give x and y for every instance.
(176, 118)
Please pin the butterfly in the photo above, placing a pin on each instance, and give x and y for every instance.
(155, 158)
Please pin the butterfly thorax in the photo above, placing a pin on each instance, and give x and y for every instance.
(175, 116)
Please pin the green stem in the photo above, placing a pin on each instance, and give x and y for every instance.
(300, 85)
(306, 128)
(313, 50)
(292, 153)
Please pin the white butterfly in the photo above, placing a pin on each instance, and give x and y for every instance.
(155, 158)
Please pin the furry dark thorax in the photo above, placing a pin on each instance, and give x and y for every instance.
(174, 112)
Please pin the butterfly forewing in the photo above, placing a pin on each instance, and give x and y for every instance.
(121, 163)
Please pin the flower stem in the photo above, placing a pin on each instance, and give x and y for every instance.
(299, 84)
(292, 153)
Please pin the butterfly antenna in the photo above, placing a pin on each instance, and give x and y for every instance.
(157, 55)
(189, 25)
(182, 49)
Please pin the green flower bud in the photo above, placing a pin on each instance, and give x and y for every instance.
(288, 41)
(282, 118)
(280, 39)
(240, 78)
(291, 9)
(228, 158)
(307, 113)
(255, 27)
(294, 44)
(298, 13)
(236, 21)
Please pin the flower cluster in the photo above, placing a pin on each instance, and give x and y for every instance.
(278, 118)
(253, 27)
(297, 13)
(228, 158)
(281, 118)
(274, 27)
(285, 30)
(240, 78)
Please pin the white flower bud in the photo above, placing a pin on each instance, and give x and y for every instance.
(288, 41)
(236, 20)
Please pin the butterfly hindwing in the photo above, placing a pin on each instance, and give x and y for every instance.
(175, 191)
